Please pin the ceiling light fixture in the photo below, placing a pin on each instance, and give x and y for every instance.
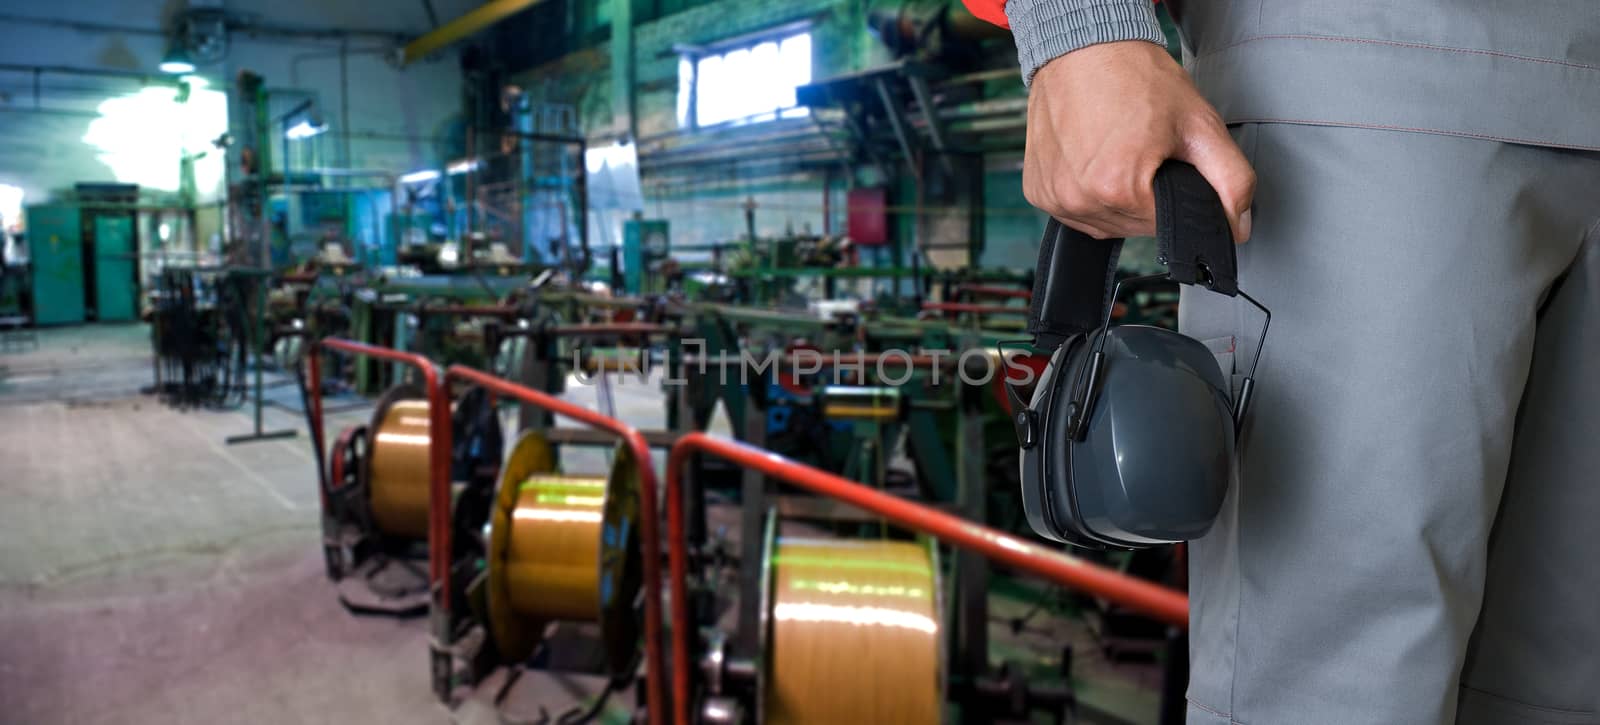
(304, 129)
(418, 177)
(176, 61)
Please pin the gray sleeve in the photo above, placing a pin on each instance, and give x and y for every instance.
(1048, 29)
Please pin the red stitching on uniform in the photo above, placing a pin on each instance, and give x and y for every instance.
(1403, 44)
(1415, 129)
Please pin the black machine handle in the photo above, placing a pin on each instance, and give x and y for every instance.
(1074, 280)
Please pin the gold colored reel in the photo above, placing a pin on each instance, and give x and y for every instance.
(564, 548)
(849, 402)
(397, 469)
(617, 360)
(853, 632)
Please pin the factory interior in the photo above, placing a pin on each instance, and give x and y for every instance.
(537, 361)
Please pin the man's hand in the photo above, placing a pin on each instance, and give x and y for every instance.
(1101, 119)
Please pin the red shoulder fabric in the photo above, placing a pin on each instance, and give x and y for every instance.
(993, 11)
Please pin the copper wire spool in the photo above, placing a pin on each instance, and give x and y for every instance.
(619, 360)
(564, 548)
(854, 632)
(397, 468)
(853, 402)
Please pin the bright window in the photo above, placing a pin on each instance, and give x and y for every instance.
(142, 136)
(10, 206)
(748, 84)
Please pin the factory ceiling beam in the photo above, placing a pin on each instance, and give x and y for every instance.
(152, 79)
(450, 33)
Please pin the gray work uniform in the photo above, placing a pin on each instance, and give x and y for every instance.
(1412, 536)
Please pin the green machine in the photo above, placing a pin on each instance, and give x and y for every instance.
(116, 281)
(644, 248)
(55, 246)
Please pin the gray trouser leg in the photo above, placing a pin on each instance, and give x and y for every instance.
(1533, 657)
(1408, 275)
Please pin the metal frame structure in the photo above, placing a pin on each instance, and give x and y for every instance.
(439, 446)
(438, 449)
(1157, 601)
(651, 549)
(973, 538)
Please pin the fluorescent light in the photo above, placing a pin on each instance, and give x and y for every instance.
(417, 177)
(461, 167)
(304, 129)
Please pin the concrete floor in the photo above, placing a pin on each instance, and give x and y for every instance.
(150, 573)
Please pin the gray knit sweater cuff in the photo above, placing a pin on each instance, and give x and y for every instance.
(1048, 29)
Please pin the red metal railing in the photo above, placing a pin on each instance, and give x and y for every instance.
(438, 446)
(980, 290)
(1157, 601)
(974, 307)
(651, 554)
(605, 329)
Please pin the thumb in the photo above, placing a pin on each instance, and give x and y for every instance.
(1218, 158)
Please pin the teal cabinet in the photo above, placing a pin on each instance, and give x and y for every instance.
(55, 246)
(116, 282)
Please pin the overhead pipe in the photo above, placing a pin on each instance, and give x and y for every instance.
(149, 79)
(476, 20)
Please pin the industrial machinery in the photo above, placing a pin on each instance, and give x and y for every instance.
(541, 567)
(835, 602)
(561, 549)
(200, 331)
(512, 549)
(858, 619)
(645, 248)
(856, 628)
(377, 489)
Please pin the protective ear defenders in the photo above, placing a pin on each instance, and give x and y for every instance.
(1128, 441)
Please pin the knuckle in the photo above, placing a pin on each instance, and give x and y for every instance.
(1078, 207)
(1114, 191)
(1243, 187)
(1205, 118)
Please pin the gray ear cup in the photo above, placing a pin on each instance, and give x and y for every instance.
(1153, 460)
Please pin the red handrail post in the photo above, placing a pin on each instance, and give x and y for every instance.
(1160, 602)
(313, 363)
(651, 554)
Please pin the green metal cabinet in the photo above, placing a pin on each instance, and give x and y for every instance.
(116, 284)
(55, 246)
(644, 247)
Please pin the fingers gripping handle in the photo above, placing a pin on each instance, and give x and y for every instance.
(1075, 276)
